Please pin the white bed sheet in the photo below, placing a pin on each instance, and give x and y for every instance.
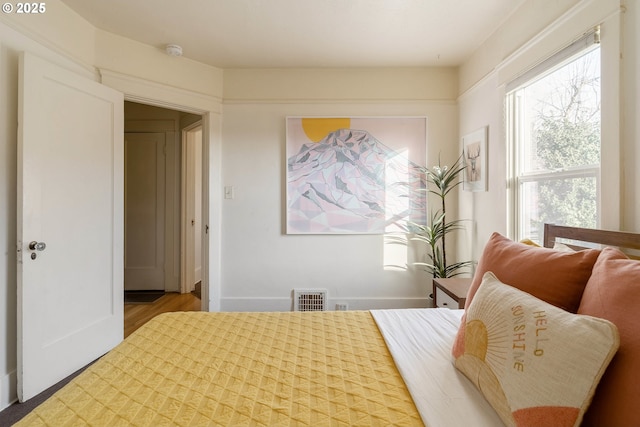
(420, 342)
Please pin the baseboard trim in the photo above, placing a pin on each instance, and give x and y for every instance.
(9, 389)
(286, 304)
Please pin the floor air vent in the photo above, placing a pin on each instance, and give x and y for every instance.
(309, 299)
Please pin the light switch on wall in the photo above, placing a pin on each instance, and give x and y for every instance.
(228, 192)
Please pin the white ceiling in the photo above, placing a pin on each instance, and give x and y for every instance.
(306, 33)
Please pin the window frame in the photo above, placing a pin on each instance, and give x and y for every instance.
(515, 132)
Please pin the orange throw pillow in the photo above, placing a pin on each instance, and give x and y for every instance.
(613, 293)
(556, 277)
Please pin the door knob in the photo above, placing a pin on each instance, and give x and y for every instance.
(37, 246)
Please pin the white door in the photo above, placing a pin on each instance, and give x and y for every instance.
(144, 211)
(70, 198)
(192, 207)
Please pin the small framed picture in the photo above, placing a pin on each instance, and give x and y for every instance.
(475, 159)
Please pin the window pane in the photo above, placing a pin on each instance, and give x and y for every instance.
(561, 113)
(557, 146)
(567, 201)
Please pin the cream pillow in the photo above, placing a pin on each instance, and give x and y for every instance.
(536, 364)
(562, 247)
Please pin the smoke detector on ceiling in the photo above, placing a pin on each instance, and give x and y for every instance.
(173, 50)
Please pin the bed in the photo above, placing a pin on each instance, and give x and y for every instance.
(378, 367)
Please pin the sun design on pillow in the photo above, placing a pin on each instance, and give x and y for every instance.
(518, 351)
(474, 355)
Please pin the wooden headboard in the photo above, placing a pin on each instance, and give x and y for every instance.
(620, 239)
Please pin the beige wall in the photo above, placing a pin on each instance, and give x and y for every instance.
(481, 103)
(62, 30)
(121, 55)
(59, 29)
(520, 29)
(631, 122)
(337, 85)
(262, 265)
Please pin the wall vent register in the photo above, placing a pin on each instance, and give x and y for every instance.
(309, 299)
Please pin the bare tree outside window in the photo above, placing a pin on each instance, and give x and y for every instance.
(559, 148)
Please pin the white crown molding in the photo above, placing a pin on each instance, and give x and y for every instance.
(162, 95)
(303, 101)
(17, 36)
(546, 34)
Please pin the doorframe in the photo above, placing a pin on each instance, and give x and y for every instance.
(186, 279)
(209, 107)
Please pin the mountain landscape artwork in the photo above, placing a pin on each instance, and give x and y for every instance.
(342, 179)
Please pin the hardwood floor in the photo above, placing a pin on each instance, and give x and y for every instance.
(136, 315)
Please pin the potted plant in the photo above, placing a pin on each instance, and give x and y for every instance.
(441, 180)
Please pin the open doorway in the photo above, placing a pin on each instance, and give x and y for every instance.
(155, 218)
(208, 108)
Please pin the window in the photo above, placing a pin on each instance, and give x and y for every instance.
(553, 122)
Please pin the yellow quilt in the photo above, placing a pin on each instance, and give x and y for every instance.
(270, 369)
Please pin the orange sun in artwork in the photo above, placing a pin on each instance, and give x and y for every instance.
(316, 129)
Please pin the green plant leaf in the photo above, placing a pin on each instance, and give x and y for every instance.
(441, 180)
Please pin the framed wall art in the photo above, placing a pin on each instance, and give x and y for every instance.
(354, 175)
(475, 159)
